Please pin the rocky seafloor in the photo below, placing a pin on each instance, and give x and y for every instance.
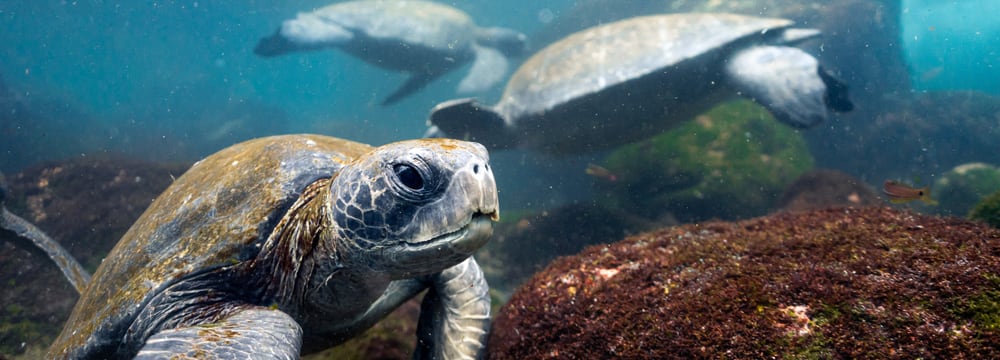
(86, 203)
(831, 282)
(869, 282)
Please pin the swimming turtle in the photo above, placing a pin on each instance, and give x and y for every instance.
(627, 80)
(422, 38)
(294, 243)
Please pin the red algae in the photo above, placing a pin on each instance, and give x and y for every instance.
(833, 283)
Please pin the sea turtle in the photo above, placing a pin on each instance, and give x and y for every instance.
(624, 81)
(295, 243)
(422, 38)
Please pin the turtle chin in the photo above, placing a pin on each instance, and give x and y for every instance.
(440, 252)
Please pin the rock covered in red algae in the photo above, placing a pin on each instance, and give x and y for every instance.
(823, 188)
(835, 283)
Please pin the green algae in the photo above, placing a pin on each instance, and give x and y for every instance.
(984, 308)
(988, 210)
(962, 187)
(732, 162)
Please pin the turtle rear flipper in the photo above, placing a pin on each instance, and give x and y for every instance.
(836, 98)
(487, 70)
(784, 80)
(466, 119)
(253, 333)
(27, 236)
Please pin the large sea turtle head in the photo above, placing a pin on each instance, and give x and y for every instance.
(414, 207)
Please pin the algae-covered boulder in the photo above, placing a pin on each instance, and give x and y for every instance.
(525, 242)
(821, 188)
(836, 283)
(729, 163)
(988, 211)
(962, 187)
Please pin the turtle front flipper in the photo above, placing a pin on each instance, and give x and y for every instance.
(466, 119)
(488, 69)
(455, 314)
(253, 333)
(787, 81)
(415, 82)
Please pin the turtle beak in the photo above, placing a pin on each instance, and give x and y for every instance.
(489, 203)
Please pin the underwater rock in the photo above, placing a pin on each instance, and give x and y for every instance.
(822, 188)
(731, 162)
(86, 203)
(988, 210)
(958, 190)
(834, 283)
(524, 243)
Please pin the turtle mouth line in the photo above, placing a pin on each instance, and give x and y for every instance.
(470, 230)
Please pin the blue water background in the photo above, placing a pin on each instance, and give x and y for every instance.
(177, 80)
(953, 44)
(146, 73)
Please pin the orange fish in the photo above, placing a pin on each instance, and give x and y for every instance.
(600, 172)
(901, 193)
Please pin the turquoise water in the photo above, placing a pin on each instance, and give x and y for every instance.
(163, 72)
(177, 80)
(953, 44)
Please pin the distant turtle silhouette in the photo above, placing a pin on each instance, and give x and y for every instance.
(423, 38)
(624, 81)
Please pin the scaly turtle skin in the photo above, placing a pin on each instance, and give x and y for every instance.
(624, 81)
(295, 243)
(422, 38)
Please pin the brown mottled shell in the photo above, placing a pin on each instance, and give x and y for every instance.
(208, 217)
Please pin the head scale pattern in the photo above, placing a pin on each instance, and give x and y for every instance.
(409, 193)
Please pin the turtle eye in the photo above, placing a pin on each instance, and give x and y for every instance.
(409, 176)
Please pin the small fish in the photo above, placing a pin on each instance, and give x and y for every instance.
(600, 172)
(899, 193)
